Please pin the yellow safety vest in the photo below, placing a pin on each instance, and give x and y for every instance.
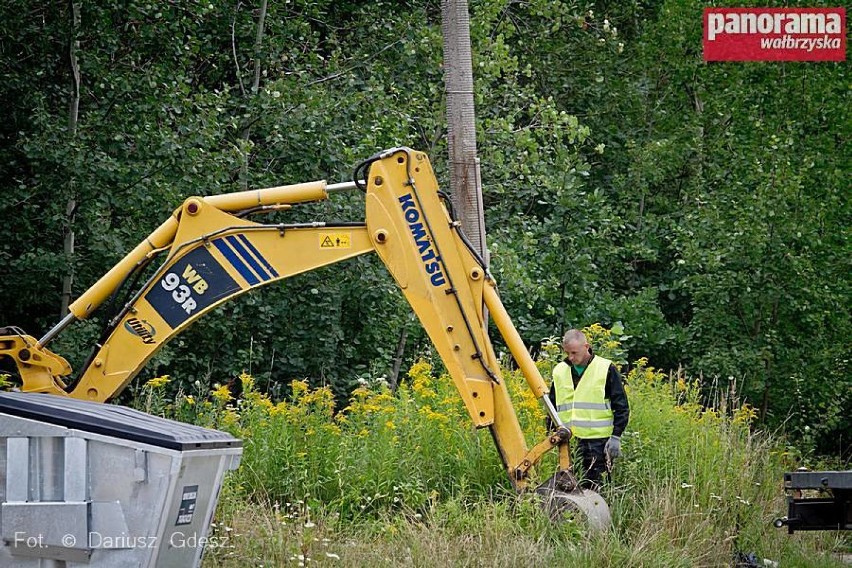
(585, 410)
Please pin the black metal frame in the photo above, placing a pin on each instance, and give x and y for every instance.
(831, 510)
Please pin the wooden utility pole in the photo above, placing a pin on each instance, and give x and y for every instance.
(465, 182)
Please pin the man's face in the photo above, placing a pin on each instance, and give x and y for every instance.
(577, 352)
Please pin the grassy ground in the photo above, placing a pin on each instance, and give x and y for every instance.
(401, 479)
(508, 532)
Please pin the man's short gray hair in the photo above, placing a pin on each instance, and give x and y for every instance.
(574, 336)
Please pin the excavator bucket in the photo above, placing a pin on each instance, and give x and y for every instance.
(562, 497)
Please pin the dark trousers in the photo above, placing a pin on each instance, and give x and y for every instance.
(594, 462)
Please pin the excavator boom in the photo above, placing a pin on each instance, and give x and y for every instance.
(212, 253)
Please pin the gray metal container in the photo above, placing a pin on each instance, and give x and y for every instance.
(89, 484)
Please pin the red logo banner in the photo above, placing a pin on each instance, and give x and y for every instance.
(774, 34)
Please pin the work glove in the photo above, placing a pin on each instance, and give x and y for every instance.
(612, 449)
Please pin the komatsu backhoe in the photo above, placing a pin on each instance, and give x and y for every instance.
(210, 252)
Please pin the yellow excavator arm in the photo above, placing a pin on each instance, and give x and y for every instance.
(213, 253)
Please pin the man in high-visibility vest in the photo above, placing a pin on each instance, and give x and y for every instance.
(589, 397)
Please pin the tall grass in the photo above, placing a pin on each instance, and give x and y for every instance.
(402, 478)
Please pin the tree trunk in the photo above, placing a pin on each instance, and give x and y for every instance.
(393, 380)
(255, 86)
(258, 43)
(71, 205)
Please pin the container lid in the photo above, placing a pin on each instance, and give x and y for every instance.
(112, 420)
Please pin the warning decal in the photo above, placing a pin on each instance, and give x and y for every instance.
(188, 499)
(335, 240)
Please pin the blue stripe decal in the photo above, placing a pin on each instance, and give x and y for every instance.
(236, 262)
(241, 250)
(251, 247)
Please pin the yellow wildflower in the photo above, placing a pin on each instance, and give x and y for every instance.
(332, 429)
(419, 369)
(432, 415)
(708, 415)
(158, 382)
(383, 397)
(264, 403)
(299, 388)
(222, 393)
(422, 387)
(280, 408)
(230, 418)
(247, 381)
(745, 414)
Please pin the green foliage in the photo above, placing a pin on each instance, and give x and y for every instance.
(701, 205)
(712, 222)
